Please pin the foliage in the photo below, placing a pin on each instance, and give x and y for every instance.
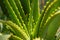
(26, 22)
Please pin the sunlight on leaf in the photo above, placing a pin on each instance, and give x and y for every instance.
(4, 36)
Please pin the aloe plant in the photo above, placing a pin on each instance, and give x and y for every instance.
(26, 22)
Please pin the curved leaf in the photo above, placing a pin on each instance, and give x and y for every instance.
(48, 22)
(19, 32)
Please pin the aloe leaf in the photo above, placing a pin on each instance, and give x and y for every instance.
(14, 7)
(34, 14)
(20, 8)
(41, 16)
(26, 6)
(53, 27)
(13, 37)
(30, 21)
(52, 6)
(14, 17)
(10, 29)
(35, 10)
(17, 13)
(12, 14)
(50, 19)
(34, 30)
(19, 32)
(43, 11)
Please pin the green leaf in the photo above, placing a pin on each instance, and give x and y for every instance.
(55, 16)
(53, 27)
(53, 6)
(12, 14)
(41, 16)
(20, 8)
(19, 32)
(26, 6)
(35, 15)
(35, 10)
(17, 13)
(13, 37)
(15, 9)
